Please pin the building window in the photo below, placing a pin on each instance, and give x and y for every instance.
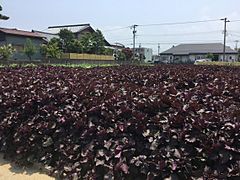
(230, 57)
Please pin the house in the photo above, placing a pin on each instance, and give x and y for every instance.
(192, 52)
(78, 30)
(144, 54)
(18, 39)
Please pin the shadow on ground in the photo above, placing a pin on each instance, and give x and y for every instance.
(11, 171)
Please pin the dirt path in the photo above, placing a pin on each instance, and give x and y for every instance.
(8, 171)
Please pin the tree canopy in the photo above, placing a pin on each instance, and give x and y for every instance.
(29, 49)
(92, 43)
(51, 50)
(3, 17)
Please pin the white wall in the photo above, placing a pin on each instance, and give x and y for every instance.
(229, 57)
(148, 53)
(167, 58)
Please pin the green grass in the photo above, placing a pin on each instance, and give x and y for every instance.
(82, 65)
(61, 65)
(215, 63)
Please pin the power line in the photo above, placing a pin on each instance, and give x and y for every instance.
(116, 29)
(121, 39)
(179, 42)
(180, 34)
(235, 32)
(235, 21)
(171, 23)
(179, 23)
(236, 35)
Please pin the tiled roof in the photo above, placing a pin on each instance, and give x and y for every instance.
(20, 33)
(46, 35)
(185, 49)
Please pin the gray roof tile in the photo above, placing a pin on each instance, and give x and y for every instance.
(185, 49)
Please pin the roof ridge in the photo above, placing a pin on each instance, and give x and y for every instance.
(15, 29)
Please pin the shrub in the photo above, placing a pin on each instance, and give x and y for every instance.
(6, 51)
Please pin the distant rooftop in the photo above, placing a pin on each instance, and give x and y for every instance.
(52, 31)
(185, 49)
(74, 28)
(46, 35)
(20, 33)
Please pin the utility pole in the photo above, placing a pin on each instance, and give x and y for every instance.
(225, 35)
(158, 49)
(134, 39)
(236, 47)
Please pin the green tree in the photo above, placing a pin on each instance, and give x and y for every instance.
(56, 41)
(74, 46)
(51, 50)
(108, 51)
(66, 36)
(120, 56)
(128, 53)
(3, 17)
(93, 43)
(98, 42)
(210, 56)
(87, 43)
(29, 49)
(6, 51)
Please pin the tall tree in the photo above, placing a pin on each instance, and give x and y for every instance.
(98, 42)
(87, 43)
(74, 46)
(3, 17)
(66, 36)
(29, 49)
(51, 50)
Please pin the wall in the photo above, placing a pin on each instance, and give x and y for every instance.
(166, 58)
(148, 54)
(197, 56)
(19, 41)
(229, 57)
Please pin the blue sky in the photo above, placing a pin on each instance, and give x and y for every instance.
(112, 14)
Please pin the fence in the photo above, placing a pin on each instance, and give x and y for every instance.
(75, 56)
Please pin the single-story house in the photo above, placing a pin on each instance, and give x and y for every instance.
(193, 52)
(18, 39)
